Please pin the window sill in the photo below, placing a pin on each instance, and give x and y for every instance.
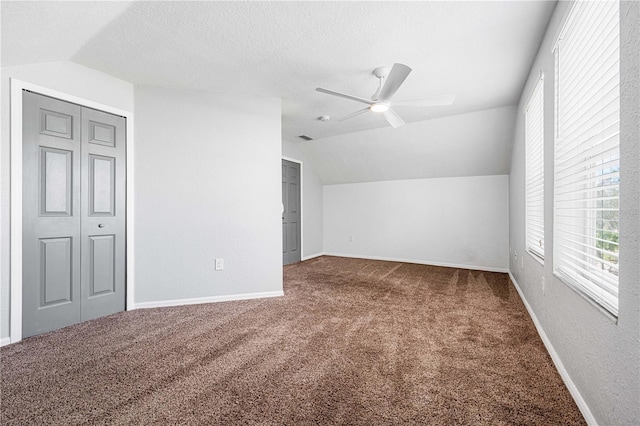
(538, 259)
(610, 316)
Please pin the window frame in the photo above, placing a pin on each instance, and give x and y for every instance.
(584, 284)
(537, 95)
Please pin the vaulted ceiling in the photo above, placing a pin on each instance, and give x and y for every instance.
(479, 50)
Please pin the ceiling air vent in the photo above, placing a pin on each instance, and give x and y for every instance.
(305, 137)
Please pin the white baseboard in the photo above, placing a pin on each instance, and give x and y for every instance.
(575, 393)
(207, 299)
(5, 341)
(313, 256)
(422, 262)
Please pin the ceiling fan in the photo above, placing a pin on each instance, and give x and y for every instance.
(390, 81)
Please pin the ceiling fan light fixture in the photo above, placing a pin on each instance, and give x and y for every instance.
(390, 81)
(379, 107)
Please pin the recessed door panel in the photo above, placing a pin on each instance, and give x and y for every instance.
(102, 185)
(54, 123)
(56, 179)
(56, 285)
(293, 197)
(102, 134)
(102, 265)
(285, 239)
(293, 237)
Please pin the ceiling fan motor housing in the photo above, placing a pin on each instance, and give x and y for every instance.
(381, 72)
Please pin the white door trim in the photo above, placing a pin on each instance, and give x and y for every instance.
(293, 160)
(16, 195)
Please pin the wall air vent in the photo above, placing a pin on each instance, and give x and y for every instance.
(305, 137)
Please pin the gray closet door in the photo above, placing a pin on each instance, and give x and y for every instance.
(51, 214)
(73, 214)
(291, 250)
(103, 214)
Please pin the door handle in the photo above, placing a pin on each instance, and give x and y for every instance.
(101, 225)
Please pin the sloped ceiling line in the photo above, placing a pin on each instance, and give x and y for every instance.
(481, 51)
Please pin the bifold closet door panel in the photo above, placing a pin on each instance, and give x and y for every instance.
(51, 214)
(103, 206)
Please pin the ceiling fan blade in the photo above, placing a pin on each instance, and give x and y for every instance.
(427, 102)
(394, 80)
(343, 95)
(354, 114)
(393, 118)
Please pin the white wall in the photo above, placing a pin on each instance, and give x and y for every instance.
(207, 186)
(311, 202)
(460, 222)
(65, 77)
(601, 359)
(477, 143)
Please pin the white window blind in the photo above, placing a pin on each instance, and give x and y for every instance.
(534, 171)
(586, 152)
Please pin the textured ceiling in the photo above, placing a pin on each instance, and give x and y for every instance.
(481, 51)
(38, 32)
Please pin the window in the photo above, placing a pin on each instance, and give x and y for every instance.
(586, 152)
(534, 145)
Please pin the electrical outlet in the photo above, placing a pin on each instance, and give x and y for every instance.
(350, 238)
(515, 257)
(219, 264)
(543, 286)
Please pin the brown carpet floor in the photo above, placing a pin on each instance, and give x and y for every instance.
(352, 342)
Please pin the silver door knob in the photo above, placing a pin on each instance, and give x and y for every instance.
(101, 225)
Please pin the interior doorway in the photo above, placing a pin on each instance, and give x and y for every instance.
(292, 212)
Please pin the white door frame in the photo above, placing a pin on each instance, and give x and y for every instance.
(293, 160)
(16, 195)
